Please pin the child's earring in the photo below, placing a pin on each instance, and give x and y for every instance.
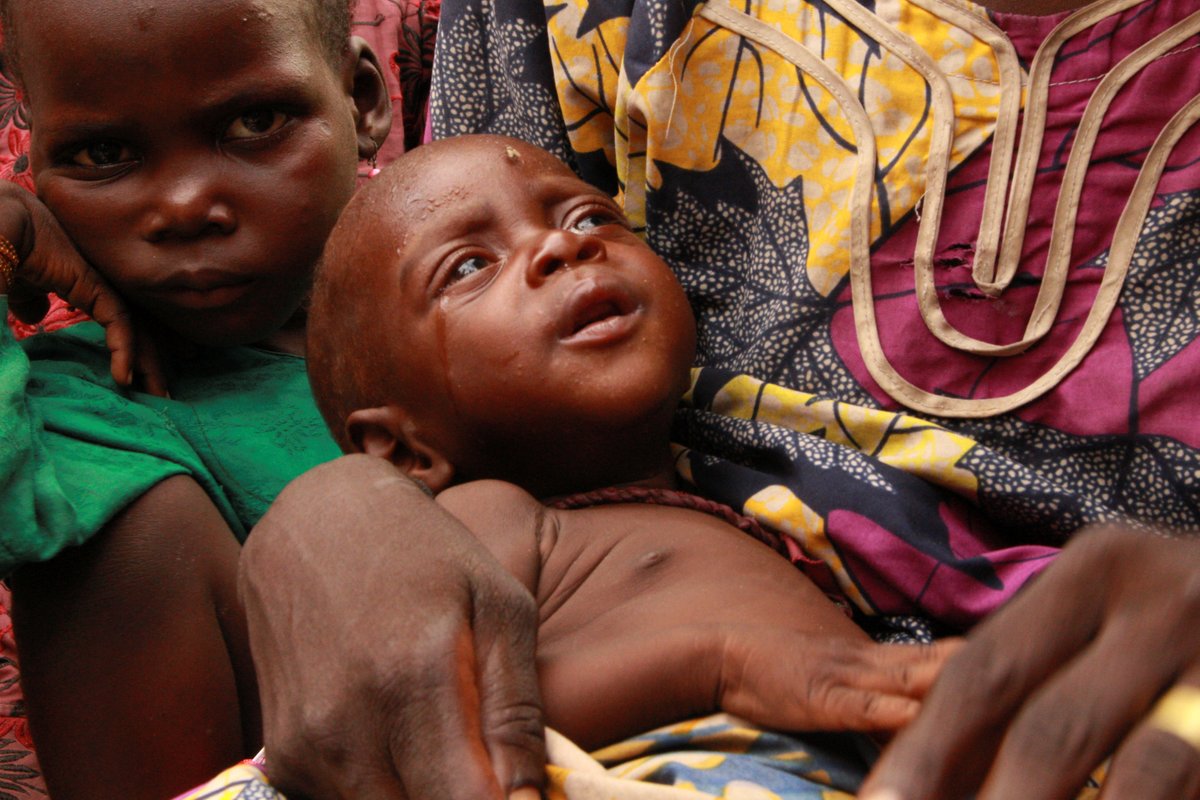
(372, 160)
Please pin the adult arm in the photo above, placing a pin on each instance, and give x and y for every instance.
(395, 656)
(776, 678)
(1060, 678)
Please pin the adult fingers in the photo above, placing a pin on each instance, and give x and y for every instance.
(1160, 760)
(952, 742)
(511, 710)
(810, 683)
(1055, 679)
(900, 669)
(441, 743)
(876, 687)
(1071, 724)
(415, 737)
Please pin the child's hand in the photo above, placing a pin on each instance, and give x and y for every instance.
(794, 681)
(49, 262)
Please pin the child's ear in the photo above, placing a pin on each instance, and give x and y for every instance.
(390, 433)
(372, 102)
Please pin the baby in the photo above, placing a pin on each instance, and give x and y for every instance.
(491, 325)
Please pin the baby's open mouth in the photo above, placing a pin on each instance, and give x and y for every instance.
(597, 313)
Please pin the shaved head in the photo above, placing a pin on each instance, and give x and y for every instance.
(354, 363)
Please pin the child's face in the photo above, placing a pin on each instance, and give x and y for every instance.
(197, 153)
(529, 306)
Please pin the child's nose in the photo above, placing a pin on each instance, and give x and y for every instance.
(560, 249)
(188, 205)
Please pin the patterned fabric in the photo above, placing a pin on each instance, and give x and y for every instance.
(717, 756)
(829, 180)
(713, 757)
(20, 773)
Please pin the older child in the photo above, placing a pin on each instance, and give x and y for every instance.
(489, 323)
(196, 154)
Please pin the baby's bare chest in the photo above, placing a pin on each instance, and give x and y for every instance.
(614, 566)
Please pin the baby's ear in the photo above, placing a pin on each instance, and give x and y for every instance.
(389, 432)
(372, 102)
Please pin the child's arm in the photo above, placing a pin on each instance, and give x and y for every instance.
(133, 652)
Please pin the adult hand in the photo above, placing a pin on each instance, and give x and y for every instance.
(1066, 674)
(49, 262)
(395, 657)
(805, 682)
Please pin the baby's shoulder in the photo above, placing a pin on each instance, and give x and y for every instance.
(489, 504)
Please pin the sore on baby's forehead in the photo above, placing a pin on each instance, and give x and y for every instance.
(407, 206)
(453, 174)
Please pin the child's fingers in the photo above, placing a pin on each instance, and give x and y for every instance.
(28, 306)
(149, 373)
(118, 337)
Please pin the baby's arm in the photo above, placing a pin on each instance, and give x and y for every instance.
(506, 519)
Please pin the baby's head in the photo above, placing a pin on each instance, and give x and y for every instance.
(198, 153)
(483, 313)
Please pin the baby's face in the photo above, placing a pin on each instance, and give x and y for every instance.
(529, 305)
(197, 153)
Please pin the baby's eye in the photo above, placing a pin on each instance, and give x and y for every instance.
(466, 268)
(595, 219)
(102, 154)
(255, 123)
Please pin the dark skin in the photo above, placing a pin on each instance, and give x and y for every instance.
(196, 158)
(528, 321)
(1047, 674)
(444, 603)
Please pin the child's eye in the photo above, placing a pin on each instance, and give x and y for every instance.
(102, 154)
(259, 122)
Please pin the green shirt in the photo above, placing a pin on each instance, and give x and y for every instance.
(75, 448)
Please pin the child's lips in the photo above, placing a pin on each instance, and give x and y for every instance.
(597, 313)
(205, 288)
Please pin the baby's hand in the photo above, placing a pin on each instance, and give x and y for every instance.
(47, 261)
(802, 681)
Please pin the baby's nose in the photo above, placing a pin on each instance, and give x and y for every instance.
(561, 249)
